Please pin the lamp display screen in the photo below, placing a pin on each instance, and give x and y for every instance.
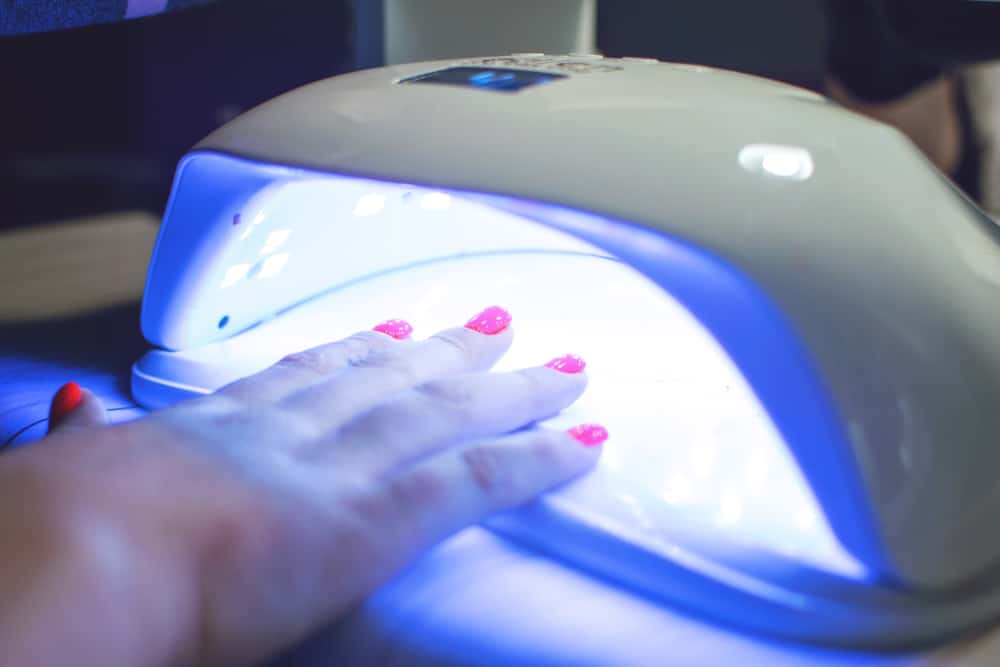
(486, 78)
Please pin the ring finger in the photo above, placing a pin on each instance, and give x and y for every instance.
(445, 412)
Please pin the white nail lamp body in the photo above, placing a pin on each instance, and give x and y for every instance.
(786, 314)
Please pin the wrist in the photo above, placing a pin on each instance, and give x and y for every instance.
(83, 582)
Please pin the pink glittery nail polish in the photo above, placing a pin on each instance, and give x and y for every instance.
(491, 321)
(589, 435)
(569, 363)
(398, 329)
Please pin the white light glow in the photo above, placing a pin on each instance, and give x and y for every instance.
(756, 470)
(272, 266)
(788, 162)
(677, 490)
(691, 448)
(806, 518)
(435, 201)
(275, 240)
(369, 204)
(703, 454)
(234, 274)
(730, 508)
(781, 164)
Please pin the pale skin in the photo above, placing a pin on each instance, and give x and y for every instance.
(227, 528)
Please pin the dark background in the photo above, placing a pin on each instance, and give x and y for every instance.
(94, 119)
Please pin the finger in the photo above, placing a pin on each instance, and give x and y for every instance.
(301, 369)
(446, 412)
(73, 407)
(369, 382)
(461, 487)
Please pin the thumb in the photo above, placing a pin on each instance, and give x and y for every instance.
(73, 407)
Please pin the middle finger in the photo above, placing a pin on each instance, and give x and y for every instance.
(369, 381)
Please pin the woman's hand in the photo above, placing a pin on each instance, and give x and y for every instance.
(227, 528)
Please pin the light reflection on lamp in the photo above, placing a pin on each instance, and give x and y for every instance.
(703, 453)
(677, 490)
(787, 162)
(781, 164)
(435, 201)
(756, 471)
(272, 266)
(369, 204)
(234, 274)
(806, 518)
(730, 508)
(275, 240)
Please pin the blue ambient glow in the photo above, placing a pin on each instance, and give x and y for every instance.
(702, 520)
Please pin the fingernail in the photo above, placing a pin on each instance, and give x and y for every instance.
(398, 329)
(569, 363)
(491, 321)
(64, 402)
(589, 435)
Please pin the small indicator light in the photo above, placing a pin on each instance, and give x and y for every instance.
(435, 201)
(370, 204)
(493, 79)
(788, 162)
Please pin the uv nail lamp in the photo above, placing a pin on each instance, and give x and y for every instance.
(790, 318)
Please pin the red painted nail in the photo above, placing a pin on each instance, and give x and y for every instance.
(64, 402)
(589, 435)
(491, 321)
(398, 329)
(569, 363)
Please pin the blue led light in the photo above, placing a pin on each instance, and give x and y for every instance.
(501, 80)
(491, 79)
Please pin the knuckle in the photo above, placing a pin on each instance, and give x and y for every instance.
(533, 392)
(363, 344)
(243, 528)
(370, 513)
(314, 360)
(418, 488)
(353, 350)
(394, 372)
(387, 357)
(359, 544)
(219, 412)
(449, 394)
(368, 500)
(550, 451)
(549, 391)
(533, 383)
(488, 473)
(456, 341)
